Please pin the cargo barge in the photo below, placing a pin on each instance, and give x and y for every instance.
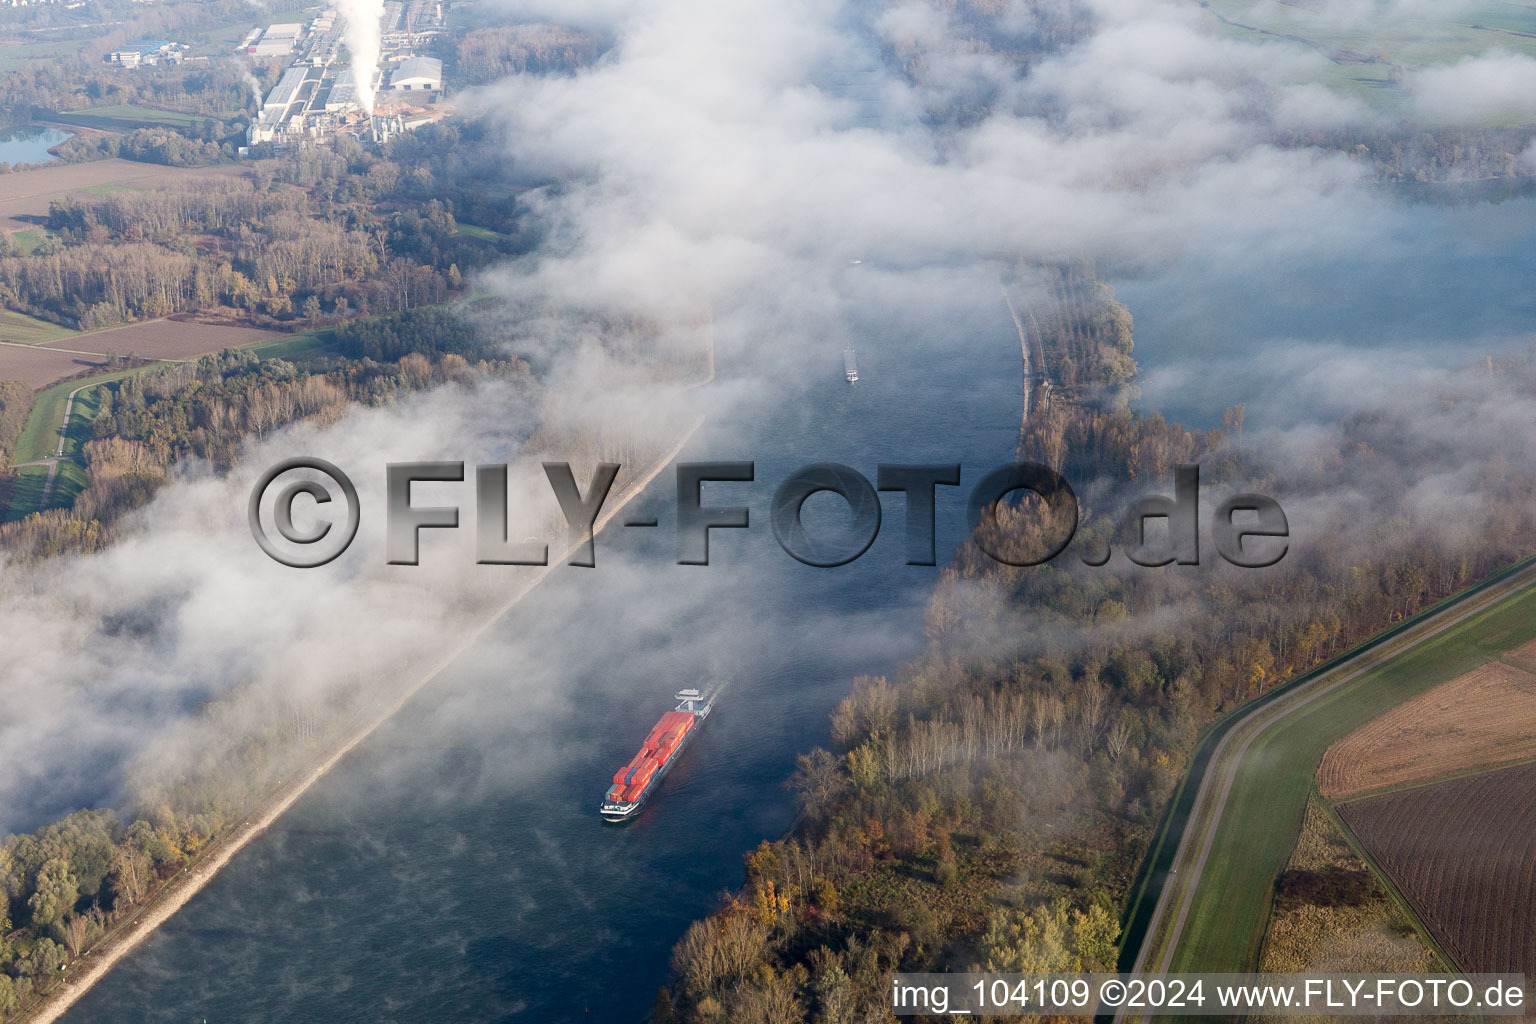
(636, 781)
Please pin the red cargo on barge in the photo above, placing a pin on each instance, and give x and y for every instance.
(636, 781)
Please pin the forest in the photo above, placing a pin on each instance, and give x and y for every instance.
(103, 25)
(62, 886)
(1410, 154)
(214, 90)
(220, 97)
(988, 806)
(268, 249)
(487, 54)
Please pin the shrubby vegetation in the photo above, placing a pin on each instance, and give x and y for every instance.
(185, 147)
(15, 403)
(1331, 913)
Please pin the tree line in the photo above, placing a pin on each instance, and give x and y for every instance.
(15, 405)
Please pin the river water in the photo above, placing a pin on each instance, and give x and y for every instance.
(1304, 336)
(454, 867)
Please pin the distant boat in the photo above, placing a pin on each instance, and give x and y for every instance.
(854, 263)
(850, 365)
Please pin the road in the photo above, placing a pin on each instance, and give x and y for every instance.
(1201, 827)
(52, 461)
(1036, 378)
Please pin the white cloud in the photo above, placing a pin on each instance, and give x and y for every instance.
(1477, 89)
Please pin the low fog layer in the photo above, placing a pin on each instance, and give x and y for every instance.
(721, 158)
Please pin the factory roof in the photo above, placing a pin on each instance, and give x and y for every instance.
(286, 89)
(418, 67)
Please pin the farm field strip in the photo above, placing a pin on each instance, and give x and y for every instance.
(39, 367)
(166, 339)
(25, 195)
(21, 329)
(1463, 854)
(45, 362)
(1522, 657)
(1481, 719)
(1251, 798)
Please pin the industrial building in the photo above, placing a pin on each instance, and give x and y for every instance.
(278, 40)
(147, 52)
(418, 74)
(316, 96)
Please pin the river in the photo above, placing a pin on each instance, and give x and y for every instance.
(454, 868)
(1407, 286)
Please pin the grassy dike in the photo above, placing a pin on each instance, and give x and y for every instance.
(1233, 822)
(40, 435)
(40, 439)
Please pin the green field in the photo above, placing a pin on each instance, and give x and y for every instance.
(16, 55)
(87, 405)
(28, 330)
(125, 117)
(1264, 809)
(28, 239)
(129, 112)
(110, 189)
(26, 493)
(40, 436)
(309, 343)
(1404, 44)
(476, 231)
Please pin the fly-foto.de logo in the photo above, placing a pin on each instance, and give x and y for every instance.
(1247, 530)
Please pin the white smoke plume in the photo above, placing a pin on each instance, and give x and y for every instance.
(250, 80)
(363, 18)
